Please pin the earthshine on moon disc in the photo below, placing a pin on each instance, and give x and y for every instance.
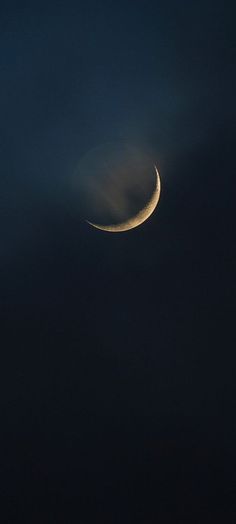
(116, 187)
(140, 217)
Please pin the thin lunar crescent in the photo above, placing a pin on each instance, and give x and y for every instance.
(140, 217)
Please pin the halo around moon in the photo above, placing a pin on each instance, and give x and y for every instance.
(139, 217)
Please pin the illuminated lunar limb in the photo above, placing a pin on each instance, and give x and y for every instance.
(140, 217)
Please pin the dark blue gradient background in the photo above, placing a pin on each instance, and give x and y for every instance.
(117, 385)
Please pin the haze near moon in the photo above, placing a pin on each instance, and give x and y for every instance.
(118, 187)
(137, 219)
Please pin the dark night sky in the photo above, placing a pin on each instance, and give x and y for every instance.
(117, 386)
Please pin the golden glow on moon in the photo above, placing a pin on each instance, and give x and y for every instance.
(140, 217)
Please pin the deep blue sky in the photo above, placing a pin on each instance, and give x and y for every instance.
(117, 355)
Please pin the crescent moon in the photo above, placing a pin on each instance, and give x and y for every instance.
(140, 217)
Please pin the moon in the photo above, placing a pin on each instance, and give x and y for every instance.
(139, 217)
